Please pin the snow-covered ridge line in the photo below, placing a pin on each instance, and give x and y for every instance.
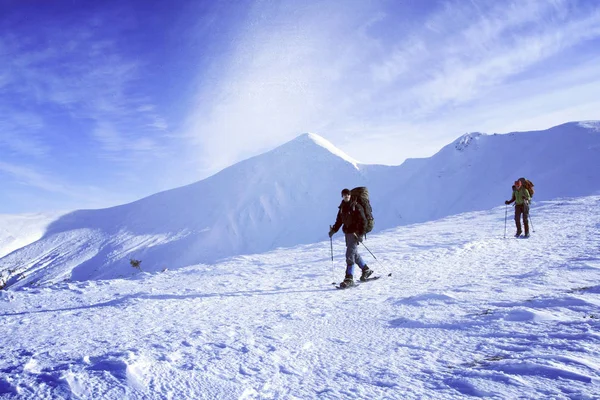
(330, 147)
(289, 196)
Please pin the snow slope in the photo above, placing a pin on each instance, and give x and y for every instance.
(254, 206)
(17, 231)
(289, 196)
(476, 171)
(465, 313)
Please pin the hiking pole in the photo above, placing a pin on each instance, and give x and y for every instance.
(390, 274)
(505, 216)
(530, 221)
(369, 251)
(332, 272)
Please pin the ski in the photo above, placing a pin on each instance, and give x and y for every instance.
(373, 278)
(346, 287)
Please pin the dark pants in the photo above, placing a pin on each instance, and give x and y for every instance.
(352, 255)
(522, 209)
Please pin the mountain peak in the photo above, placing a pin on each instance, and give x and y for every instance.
(466, 140)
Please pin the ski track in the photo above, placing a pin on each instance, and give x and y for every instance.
(465, 313)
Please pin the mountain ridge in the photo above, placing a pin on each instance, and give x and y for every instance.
(289, 196)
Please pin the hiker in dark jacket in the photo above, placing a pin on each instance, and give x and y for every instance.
(352, 216)
(521, 197)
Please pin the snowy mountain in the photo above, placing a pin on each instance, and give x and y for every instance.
(466, 313)
(476, 171)
(276, 199)
(289, 196)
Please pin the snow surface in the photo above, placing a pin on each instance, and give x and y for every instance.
(289, 196)
(595, 125)
(466, 312)
(19, 230)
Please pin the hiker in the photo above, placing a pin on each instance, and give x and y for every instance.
(352, 216)
(521, 197)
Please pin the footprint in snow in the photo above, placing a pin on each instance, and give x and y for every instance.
(427, 298)
(7, 388)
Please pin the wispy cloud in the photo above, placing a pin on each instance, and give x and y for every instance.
(48, 191)
(30, 177)
(275, 85)
(72, 93)
(503, 42)
(21, 133)
(383, 80)
(360, 74)
(83, 75)
(115, 142)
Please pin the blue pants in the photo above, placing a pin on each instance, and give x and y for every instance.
(352, 255)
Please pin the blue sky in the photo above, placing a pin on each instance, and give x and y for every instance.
(105, 102)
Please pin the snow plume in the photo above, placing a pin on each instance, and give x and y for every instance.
(593, 125)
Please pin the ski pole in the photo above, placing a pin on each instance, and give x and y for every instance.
(390, 274)
(369, 251)
(530, 221)
(505, 216)
(332, 271)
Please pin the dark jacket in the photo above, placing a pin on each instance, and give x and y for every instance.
(352, 216)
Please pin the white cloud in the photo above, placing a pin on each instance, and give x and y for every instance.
(119, 145)
(76, 99)
(159, 124)
(109, 138)
(381, 81)
(345, 79)
(472, 50)
(22, 133)
(63, 195)
(84, 76)
(30, 177)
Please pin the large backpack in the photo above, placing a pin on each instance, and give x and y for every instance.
(528, 185)
(361, 196)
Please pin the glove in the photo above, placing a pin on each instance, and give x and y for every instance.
(359, 237)
(507, 202)
(331, 232)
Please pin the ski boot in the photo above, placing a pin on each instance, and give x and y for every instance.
(348, 282)
(366, 273)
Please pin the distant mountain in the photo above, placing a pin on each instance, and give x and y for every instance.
(476, 171)
(290, 195)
